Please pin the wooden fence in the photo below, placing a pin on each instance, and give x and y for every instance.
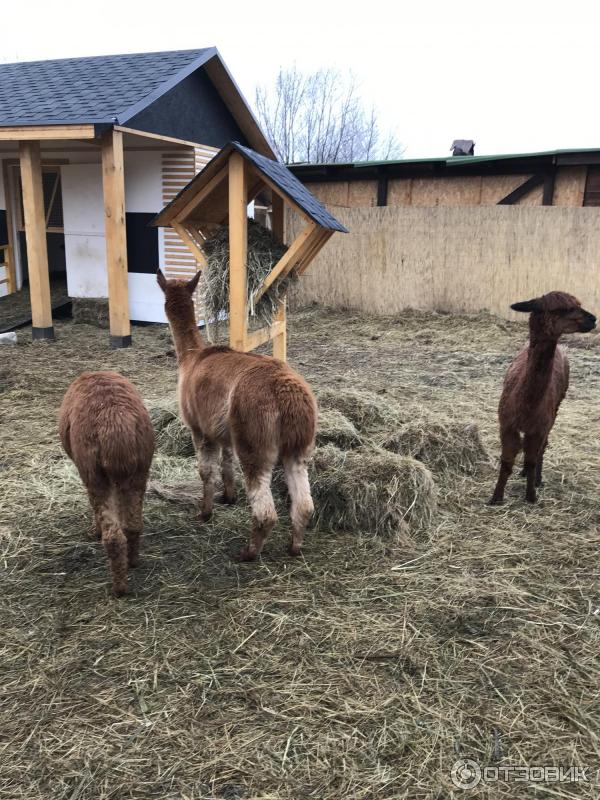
(455, 259)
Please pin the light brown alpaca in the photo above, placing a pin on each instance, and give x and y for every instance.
(535, 385)
(106, 431)
(257, 406)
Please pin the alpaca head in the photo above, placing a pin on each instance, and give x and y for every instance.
(556, 313)
(178, 294)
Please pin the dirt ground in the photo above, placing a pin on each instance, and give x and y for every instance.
(364, 669)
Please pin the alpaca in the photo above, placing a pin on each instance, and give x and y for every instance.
(535, 385)
(253, 405)
(106, 431)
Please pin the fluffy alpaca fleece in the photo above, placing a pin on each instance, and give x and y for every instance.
(254, 405)
(106, 430)
(535, 385)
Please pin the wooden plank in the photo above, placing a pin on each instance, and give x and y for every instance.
(8, 197)
(238, 251)
(35, 234)
(215, 181)
(113, 183)
(522, 190)
(254, 339)
(191, 243)
(382, 190)
(279, 332)
(548, 195)
(157, 136)
(278, 217)
(22, 133)
(312, 253)
(289, 259)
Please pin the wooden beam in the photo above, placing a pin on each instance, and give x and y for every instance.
(382, 190)
(278, 217)
(186, 237)
(36, 133)
(113, 183)
(280, 332)
(8, 197)
(215, 181)
(318, 244)
(35, 234)
(548, 196)
(159, 137)
(263, 335)
(522, 190)
(289, 259)
(238, 252)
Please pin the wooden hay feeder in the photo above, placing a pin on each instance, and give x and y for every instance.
(220, 195)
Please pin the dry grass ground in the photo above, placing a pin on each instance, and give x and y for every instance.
(362, 670)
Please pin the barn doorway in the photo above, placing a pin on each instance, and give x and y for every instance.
(55, 232)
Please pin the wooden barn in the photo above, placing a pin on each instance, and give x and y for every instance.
(556, 178)
(91, 150)
(459, 234)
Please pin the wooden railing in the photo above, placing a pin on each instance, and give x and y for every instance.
(6, 261)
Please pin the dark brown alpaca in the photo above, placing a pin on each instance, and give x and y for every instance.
(252, 404)
(535, 385)
(106, 431)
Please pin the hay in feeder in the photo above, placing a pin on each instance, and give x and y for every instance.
(365, 410)
(371, 490)
(264, 251)
(334, 428)
(440, 444)
(90, 311)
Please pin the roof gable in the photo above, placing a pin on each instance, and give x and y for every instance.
(99, 89)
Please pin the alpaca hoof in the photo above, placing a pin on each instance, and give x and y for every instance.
(120, 591)
(245, 555)
(134, 562)
(205, 516)
(227, 499)
(531, 498)
(295, 549)
(495, 501)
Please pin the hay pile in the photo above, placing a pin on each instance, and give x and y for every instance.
(334, 428)
(90, 311)
(371, 490)
(263, 253)
(366, 410)
(442, 445)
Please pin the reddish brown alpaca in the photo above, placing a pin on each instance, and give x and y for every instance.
(106, 430)
(255, 405)
(535, 385)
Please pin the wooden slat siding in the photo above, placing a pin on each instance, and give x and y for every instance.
(591, 196)
(178, 169)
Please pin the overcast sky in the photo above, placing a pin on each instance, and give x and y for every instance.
(517, 75)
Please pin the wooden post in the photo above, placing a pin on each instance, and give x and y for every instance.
(278, 227)
(35, 235)
(238, 247)
(113, 182)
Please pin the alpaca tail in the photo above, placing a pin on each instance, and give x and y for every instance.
(297, 419)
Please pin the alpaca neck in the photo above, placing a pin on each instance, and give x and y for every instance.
(186, 337)
(540, 361)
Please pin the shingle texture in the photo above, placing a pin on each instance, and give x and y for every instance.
(291, 186)
(87, 90)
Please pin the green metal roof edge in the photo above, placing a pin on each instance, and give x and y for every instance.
(451, 159)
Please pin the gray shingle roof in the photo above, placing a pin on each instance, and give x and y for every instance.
(291, 186)
(90, 90)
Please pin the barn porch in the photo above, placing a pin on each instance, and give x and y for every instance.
(29, 209)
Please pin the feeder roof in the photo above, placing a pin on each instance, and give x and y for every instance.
(274, 171)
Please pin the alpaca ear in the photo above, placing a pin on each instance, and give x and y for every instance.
(527, 306)
(161, 280)
(191, 285)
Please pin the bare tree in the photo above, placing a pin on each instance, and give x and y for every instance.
(320, 118)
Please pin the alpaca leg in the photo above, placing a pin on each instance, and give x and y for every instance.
(97, 500)
(132, 504)
(511, 444)
(228, 475)
(115, 545)
(296, 477)
(208, 463)
(264, 516)
(533, 449)
(540, 465)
